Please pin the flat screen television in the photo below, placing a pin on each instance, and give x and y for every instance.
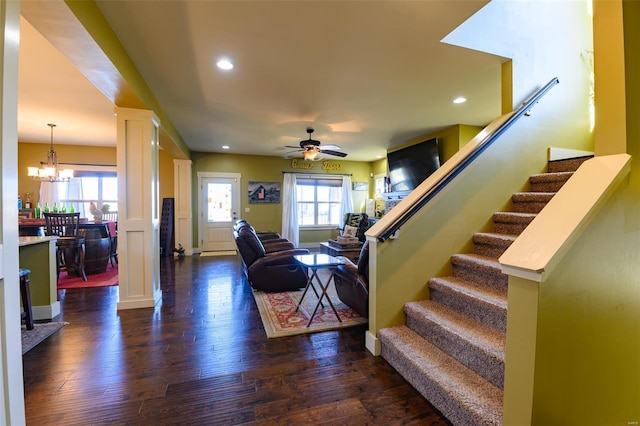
(409, 166)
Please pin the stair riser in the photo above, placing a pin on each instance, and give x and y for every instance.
(529, 206)
(512, 228)
(547, 186)
(482, 363)
(490, 250)
(505, 223)
(475, 309)
(454, 411)
(482, 276)
(569, 165)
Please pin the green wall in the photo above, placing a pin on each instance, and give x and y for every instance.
(270, 169)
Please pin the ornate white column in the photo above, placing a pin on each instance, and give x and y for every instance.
(11, 380)
(138, 209)
(182, 189)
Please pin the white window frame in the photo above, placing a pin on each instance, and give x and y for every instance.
(317, 226)
(92, 168)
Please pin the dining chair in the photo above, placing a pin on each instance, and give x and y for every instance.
(113, 231)
(69, 245)
(112, 216)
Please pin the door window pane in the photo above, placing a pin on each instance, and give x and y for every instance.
(219, 208)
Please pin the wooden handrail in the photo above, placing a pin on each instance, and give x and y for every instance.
(411, 210)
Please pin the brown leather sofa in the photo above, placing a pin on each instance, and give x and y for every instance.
(269, 266)
(352, 282)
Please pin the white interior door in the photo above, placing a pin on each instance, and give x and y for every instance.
(219, 207)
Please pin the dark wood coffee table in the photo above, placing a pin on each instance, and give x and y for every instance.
(351, 253)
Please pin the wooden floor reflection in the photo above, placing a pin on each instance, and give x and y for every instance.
(202, 357)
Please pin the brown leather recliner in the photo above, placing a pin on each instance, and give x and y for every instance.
(264, 236)
(352, 282)
(273, 270)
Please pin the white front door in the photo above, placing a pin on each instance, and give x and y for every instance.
(219, 203)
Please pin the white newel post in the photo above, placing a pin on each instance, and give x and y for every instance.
(12, 390)
(138, 209)
(182, 188)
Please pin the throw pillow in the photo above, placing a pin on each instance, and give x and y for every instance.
(349, 231)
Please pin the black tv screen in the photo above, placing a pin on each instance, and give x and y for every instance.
(409, 166)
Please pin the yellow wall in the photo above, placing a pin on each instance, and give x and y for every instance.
(30, 154)
(450, 140)
(588, 350)
(270, 169)
(610, 78)
(587, 365)
(165, 167)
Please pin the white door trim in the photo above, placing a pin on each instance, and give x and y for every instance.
(221, 175)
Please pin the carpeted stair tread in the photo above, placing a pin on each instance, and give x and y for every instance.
(486, 294)
(550, 177)
(464, 397)
(474, 344)
(512, 222)
(530, 202)
(548, 182)
(492, 244)
(479, 269)
(481, 303)
(519, 217)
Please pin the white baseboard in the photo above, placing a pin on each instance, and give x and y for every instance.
(372, 343)
(46, 311)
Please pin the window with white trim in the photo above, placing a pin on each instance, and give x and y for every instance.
(90, 186)
(319, 201)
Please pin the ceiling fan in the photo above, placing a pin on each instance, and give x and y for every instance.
(310, 148)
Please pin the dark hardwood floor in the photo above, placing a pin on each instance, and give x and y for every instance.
(202, 357)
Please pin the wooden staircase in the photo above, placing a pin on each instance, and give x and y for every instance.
(452, 347)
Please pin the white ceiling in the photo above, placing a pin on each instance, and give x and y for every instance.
(367, 75)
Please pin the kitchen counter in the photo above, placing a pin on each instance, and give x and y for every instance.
(38, 254)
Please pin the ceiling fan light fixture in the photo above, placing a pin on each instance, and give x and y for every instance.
(310, 155)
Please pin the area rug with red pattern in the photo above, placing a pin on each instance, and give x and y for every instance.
(104, 279)
(281, 318)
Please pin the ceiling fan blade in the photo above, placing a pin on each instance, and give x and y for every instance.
(330, 147)
(292, 147)
(336, 153)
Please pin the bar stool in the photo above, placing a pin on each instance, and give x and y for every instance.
(25, 294)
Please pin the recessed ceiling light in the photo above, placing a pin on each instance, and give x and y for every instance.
(225, 146)
(224, 64)
(459, 100)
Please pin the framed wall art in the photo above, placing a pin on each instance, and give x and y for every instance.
(264, 192)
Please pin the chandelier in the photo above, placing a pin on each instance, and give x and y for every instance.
(49, 171)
